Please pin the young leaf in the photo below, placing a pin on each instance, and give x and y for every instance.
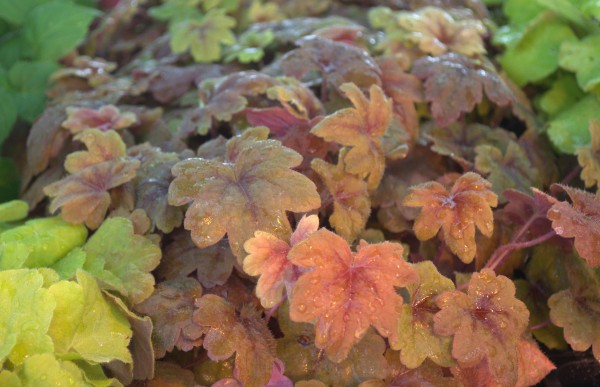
(486, 323)
(457, 213)
(576, 308)
(454, 84)
(105, 118)
(580, 221)
(84, 195)
(268, 257)
(416, 339)
(171, 307)
(251, 191)
(85, 324)
(213, 264)
(203, 36)
(13, 210)
(122, 260)
(436, 32)
(245, 333)
(338, 63)
(589, 158)
(27, 310)
(351, 203)
(361, 128)
(347, 292)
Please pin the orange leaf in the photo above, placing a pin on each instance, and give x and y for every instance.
(458, 212)
(347, 292)
(361, 128)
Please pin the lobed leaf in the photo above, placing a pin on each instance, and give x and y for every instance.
(457, 213)
(245, 333)
(361, 128)
(486, 324)
(347, 292)
(251, 191)
(107, 117)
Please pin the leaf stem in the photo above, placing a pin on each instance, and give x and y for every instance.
(573, 174)
(507, 249)
(541, 325)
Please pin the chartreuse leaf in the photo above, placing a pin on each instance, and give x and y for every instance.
(122, 260)
(535, 56)
(203, 36)
(26, 314)
(250, 47)
(39, 243)
(13, 210)
(416, 338)
(46, 39)
(582, 57)
(67, 266)
(85, 325)
(563, 93)
(576, 309)
(569, 129)
(46, 370)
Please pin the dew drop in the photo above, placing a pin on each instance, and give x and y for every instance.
(559, 230)
(301, 308)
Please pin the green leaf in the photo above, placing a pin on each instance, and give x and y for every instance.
(176, 10)
(13, 210)
(203, 36)
(250, 46)
(582, 57)
(39, 243)
(563, 93)
(67, 266)
(569, 130)
(14, 12)
(10, 48)
(26, 314)
(55, 28)
(85, 325)
(9, 179)
(568, 10)
(8, 114)
(29, 81)
(535, 56)
(122, 259)
(9, 379)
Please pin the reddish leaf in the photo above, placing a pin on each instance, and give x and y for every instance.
(245, 333)
(457, 213)
(107, 117)
(427, 374)
(580, 221)
(533, 364)
(338, 63)
(522, 208)
(268, 257)
(361, 128)
(171, 307)
(454, 84)
(84, 195)
(347, 292)
(251, 191)
(95, 71)
(351, 203)
(486, 323)
(212, 265)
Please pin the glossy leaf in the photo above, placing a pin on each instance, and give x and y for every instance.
(122, 260)
(245, 333)
(251, 191)
(486, 323)
(351, 203)
(268, 258)
(171, 307)
(361, 128)
(454, 84)
(457, 213)
(579, 221)
(347, 292)
(416, 339)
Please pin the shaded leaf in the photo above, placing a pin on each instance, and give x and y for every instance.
(579, 221)
(347, 292)
(171, 307)
(125, 263)
(582, 58)
(251, 191)
(569, 130)
(268, 258)
(427, 374)
(245, 333)
(454, 84)
(486, 323)
(589, 158)
(361, 128)
(351, 203)
(457, 213)
(171, 375)
(416, 339)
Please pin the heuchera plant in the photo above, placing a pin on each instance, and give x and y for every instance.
(308, 193)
